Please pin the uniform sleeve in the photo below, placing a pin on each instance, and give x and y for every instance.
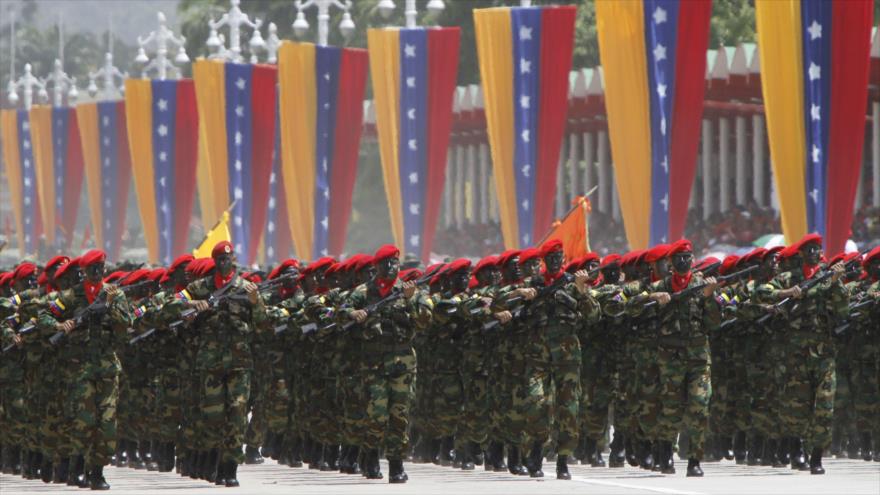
(421, 309)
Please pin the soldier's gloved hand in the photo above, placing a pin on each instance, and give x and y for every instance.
(199, 305)
(711, 285)
(358, 315)
(838, 270)
(409, 289)
(662, 298)
(65, 326)
(112, 292)
(793, 293)
(526, 293)
(250, 289)
(503, 316)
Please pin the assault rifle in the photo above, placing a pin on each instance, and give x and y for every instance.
(694, 289)
(29, 328)
(97, 308)
(854, 312)
(381, 303)
(223, 295)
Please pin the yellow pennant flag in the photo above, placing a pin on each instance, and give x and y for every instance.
(220, 232)
(572, 230)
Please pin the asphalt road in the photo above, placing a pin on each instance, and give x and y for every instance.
(850, 477)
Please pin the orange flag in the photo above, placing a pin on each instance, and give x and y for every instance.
(572, 229)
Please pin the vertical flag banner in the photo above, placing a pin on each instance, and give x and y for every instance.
(59, 162)
(653, 55)
(277, 237)
(107, 164)
(525, 58)
(321, 105)
(416, 70)
(814, 75)
(163, 135)
(236, 108)
(18, 154)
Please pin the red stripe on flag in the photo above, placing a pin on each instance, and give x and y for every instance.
(850, 63)
(687, 111)
(263, 106)
(73, 177)
(349, 124)
(283, 239)
(123, 178)
(557, 41)
(443, 46)
(186, 151)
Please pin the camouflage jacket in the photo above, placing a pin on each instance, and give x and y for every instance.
(811, 319)
(685, 321)
(226, 331)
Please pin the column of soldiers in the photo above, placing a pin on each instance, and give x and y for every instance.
(771, 358)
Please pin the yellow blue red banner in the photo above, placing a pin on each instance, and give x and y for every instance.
(18, 154)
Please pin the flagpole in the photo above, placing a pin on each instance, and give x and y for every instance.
(572, 210)
(217, 223)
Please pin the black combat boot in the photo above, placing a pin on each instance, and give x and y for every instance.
(74, 470)
(726, 447)
(836, 441)
(296, 453)
(798, 456)
(514, 461)
(756, 449)
(436, 444)
(477, 453)
(36, 464)
(771, 458)
(135, 460)
(316, 456)
(852, 448)
(62, 467)
(739, 447)
(657, 454)
(588, 450)
(667, 461)
(496, 450)
(784, 451)
(82, 479)
(331, 458)
(26, 457)
(151, 454)
(694, 469)
(617, 456)
(96, 479)
(222, 474)
(266, 450)
(252, 455)
(168, 458)
(867, 455)
(372, 470)
(535, 461)
(6, 462)
(211, 462)
(632, 457)
(354, 466)
(647, 460)
(46, 469)
(232, 474)
(122, 453)
(466, 457)
(447, 451)
(562, 468)
(344, 462)
(396, 474)
(816, 462)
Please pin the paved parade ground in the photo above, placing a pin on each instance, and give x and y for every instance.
(850, 477)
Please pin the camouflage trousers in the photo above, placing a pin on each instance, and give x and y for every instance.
(137, 400)
(324, 401)
(168, 404)
(277, 404)
(685, 391)
(56, 424)
(844, 423)
(223, 405)
(12, 405)
(474, 425)
(256, 429)
(506, 418)
(443, 412)
(808, 399)
(722, 408)
(389, 396)
(866, 388)
(763, 390)
(645, 391)
(597, 393)
(95, 396)
(354, 406)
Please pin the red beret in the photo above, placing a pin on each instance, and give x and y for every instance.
(788, 252)
(629, 258)
(508, 255)
(728, 265)
(319, 264)
(60, 272)
(589, 258)
(157, 274)
(332, 269)
(703, 263)
(487, 262)
(837, 257)
(410, 274)
(435, 268)
(24, 270)
(222, 247)
(288, 263)
(180, 261)
(364, 261)
(385, 252)
(439, 273)
(573, 266)
(641, 257)
(551, 246)
(92, 257)
(205, 267)
(681, 246)
(873, 255)
(772, 252)
(458, 265)
(5, 278)
(55, 262)
(115, 276)
(194, 265)
(656, 253)
(756, 254)
(807, 239)
(252, 277)
(611, 259)
(136, 276)
(528, 254)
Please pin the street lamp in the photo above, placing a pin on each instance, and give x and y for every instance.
(301, 25)
(27, 82)
(108, 73)
(161, 37)
(61, 81)
(386, 8)
(234, 19)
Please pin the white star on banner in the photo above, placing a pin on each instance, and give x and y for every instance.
(324, 251)
(665, 164)
(525, 66)
(27, 144)
(238, 193)
(411, 114)
(661, 90)
(814, 195)
(162, 181)
(413, 240)
(270, 251)
(107, 164)
(815, 30)
(238, 165)
(272, 203)
(665, 202)
(659, 53)
(270, 226)
(413, 144)
(26, 125)
(162, 104)
(525, 135)
(414, 178)
(326, 106)
(525, 205)
(814, 112)
(27, 182)
(272, 178)
(413, 208)
(659, 15)
(238, 222)
(326, 76)
(524, 101)
(106, 141)
(526, 240)
(165, 233)
(162, 130)
(663, 126)
(27, 163)
(105, 121)
(239, 110)
(526, 169)
(327, 193)
(525, 33)
(164, 207)
(410, 82)
(325, 223)
(815, 71)
(324, 164)
(241, 83)
(238, 138)
(409, 51)
(163, 156)
(816, 153)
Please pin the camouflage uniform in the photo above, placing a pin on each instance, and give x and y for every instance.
(863, 350)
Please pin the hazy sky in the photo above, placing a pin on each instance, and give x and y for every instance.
(130, 18)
